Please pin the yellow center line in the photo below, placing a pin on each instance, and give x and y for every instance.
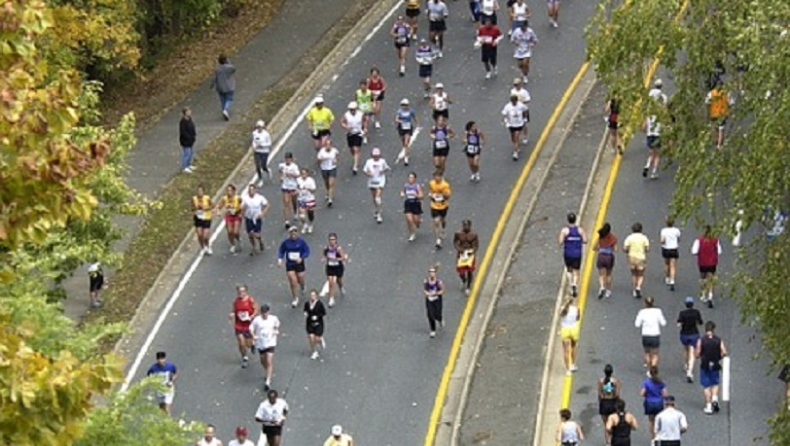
(438, 404)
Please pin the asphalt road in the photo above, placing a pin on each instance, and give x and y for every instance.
(381, 370)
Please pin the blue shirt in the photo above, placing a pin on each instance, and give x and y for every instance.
(573, 243)
(293, 250)
(166, 371)
(653, 391)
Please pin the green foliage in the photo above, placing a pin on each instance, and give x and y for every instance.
(747, 177)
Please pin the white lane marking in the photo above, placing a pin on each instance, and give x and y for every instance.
(138, 360)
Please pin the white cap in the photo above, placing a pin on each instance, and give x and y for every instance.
(658, 83)
(337, 430)
(319, 99)
(440, 85)
(260, 123)
(404, 101)
(376, 151)
(352, 104)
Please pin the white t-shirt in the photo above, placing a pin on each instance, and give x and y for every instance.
(235, 442)
(670, 237)
(328, 158)
(253, 205)
(306, 188)
(265, 331)
(439, 101)
(487, 7)
(261, 141)
(213, 442)
(650, 320)
(652, 126)
(271, 414)
(376, 169)
(354, 122)
(289, 173)
(514, 114)
(524, 41)
(523, 95)
(571, 318)
(669, 424)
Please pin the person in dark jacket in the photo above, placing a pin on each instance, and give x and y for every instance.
(224, 83)
(293, 251)
(186, 137)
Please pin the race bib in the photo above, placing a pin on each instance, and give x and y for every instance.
(294, 256)
(333, 262)
(441, 144)
(231, 211)
(472, 150)
(401, 39)
(243, 316)
(405, 125)
(201, 215)
(438, 198)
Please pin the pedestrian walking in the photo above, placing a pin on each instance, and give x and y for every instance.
(167, 373)
(466, 243)
(488, 37)
(670, 424)
(338, 437)
(433, 290)
(608, 396)
(571, 239)
(187, 135)
(636, 246)
(95, 283)
(707, 249)
(224, 82)
(689, 321)
(265, 329)
(242, 438)
(254, 207)
(314, 313)
(272, 413)
(243, 311)
(653, 392)
(569, 334)
(619, 426)
(569, 432)
(261, 147)
(710, 351)
(606, 246)
(650, 320)
(670, 251)
(201, 206)
(293, 251)
(208, 438)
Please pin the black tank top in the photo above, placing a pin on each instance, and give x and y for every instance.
(710, 350)
(621, 430)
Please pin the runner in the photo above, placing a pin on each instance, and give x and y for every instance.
(619, 425)
(719, 102)
(319, 121)
(243, 311)
(473, 147)
(606, 247)
(168, 373)
(466, 244)
(525, 98)
(314, 313)
(201, 205)
(413, 14)
(338, 438)
(261, 148)
(474, 11)
(608, 395)
(254, 206)
(571, 239)
(689, 321)
(707, 249)
(406, 121)
(636, 246)
(670, 424)
(378, 86)
(412, 205)
(553, 10)
(289, 172)
(327, 157)
(519, 13)
(242, 438)
(437, 25)
(265, 328)
(710, 351)
(612, 111)
(653, 390)
(364, 100)
(433, 289)
(401, 32)
(293, 252)
(514, 115)
(569, 334)
(95, 283)
(335, 259)
(488, 10)
(524, 38)
(208, 437)
(425, 57)
(569, 433)
(231, 203)
(650, 320)
(784, 376)
(440, 102)
(652, 128)
(376, 169)
(441, 134)
(488, 37)
(306, 198)
(272, 414)
(439, 191)
(670, 244)
(355, 124)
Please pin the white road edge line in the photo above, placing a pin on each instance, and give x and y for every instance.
(188, 276)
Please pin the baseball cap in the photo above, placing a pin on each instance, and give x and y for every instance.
(352, 104)
(293, 228)
(423, 40)
(405, 101)
(670, 399)
(319, 100)
(337, 430)
(658, 83)
(242, 431)
(517, 80)
(440, 85)
(376, 151)
(260, 123)
(689, 300)
(265, 308)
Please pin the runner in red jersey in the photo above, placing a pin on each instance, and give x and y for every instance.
(244, 309)
(378, 86)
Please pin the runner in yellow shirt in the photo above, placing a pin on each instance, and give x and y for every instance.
(338, 438)
(319, 122)
(231, 204)
(719, 102)
(439, 192)
(201, 205)
(636, 246)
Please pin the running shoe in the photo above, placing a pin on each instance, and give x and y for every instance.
(331, 302)
(314, 355)
(377, 124)
(412, 237)
(295, 302)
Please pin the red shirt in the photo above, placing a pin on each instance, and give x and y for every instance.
(243, 310)
(708, 254)
(487, 35)
(375, 84)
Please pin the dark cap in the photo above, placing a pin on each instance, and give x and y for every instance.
(669, 399)
(265, 308)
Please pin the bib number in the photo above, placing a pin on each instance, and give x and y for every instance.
(294, 256)
(441, 144)
(405, 125)
(243, 316)
(201, 215)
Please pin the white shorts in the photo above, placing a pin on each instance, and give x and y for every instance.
(165, 397)
(520, 54)
(376, 184)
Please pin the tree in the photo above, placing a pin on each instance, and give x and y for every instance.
(742, 49)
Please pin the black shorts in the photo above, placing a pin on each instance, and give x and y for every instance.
(273, 430)
(321, 133)
(613, 125)
(354, 140)
(335, 270)
(295, 267)
(445, 113)
(573, 262)
(246, 333)
(720, 122)
(315, 329)
(379, 97)
(426, 70)
(200, 223)
(441, 152)
(653, 142)
(516, 129)
(605, 261)
(653, 407)
(402, 131)
(412, 207)
(488, 54)
(263, 351)
(670, 253)
(607, 406)
(439, 213)
(707, 269)
(472, 151)
(651, 341)
(327, 174)
(667, 443)
(253, 226)
(400, 45)
(437, 26)
(491, 18)
(412, 12)
(96, 282)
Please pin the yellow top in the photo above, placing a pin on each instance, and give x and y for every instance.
(719, 105)
(345, 440)
(320, 119)
(440, 194)
(637, 245)
(202, 206)
(413, 4)
(232, 205)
